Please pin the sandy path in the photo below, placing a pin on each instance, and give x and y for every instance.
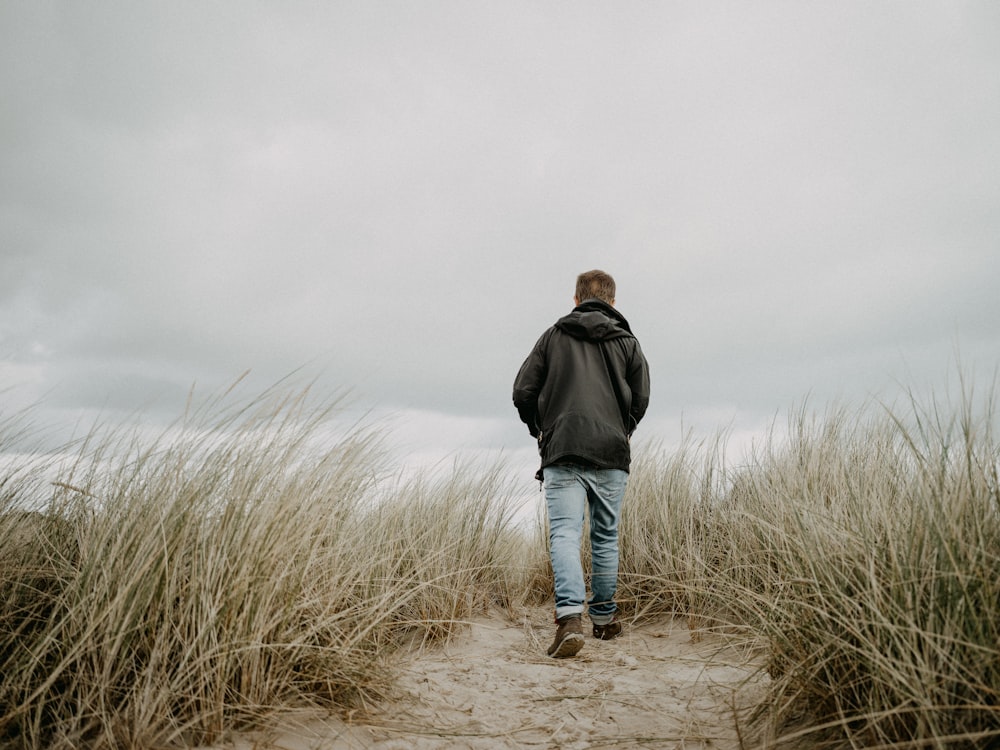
(493, 687)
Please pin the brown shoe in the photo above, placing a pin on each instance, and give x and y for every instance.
(569, 638)
(608, 631)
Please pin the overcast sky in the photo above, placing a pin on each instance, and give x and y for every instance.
(797, 199)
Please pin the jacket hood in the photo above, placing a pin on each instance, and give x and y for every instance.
(594, 320)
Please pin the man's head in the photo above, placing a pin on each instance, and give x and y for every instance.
(595, 285)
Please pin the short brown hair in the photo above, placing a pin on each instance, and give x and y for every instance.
(595, 284)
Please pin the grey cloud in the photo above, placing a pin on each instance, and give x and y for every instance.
(793, 198)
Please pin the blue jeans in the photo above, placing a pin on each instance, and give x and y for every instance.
(569, 491)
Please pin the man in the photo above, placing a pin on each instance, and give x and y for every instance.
(582, 391)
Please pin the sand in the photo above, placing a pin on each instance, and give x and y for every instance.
(661, 685)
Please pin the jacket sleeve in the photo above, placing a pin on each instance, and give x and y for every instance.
(528, 384)
(638, 382)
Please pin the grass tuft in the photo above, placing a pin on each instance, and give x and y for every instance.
(860, 553)
(247, 560)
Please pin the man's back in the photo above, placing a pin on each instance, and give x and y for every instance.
(584, 388)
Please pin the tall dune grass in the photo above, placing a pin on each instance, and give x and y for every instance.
(246, 561)
(861, 552)
(161, 592)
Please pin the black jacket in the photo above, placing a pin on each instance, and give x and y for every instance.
(584, 388)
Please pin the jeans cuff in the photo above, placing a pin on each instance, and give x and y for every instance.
(601, 619)
(571, 610)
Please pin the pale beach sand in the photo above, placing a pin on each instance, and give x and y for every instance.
(661, 685)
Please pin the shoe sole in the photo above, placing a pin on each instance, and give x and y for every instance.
(570, 645)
